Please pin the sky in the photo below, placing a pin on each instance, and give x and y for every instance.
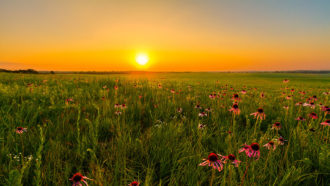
(185, 35)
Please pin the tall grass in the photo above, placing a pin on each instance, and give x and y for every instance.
(150, 141)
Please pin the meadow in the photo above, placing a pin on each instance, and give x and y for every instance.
(157, 128)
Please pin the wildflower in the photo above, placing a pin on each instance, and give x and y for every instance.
(116, 87)
(270, 145)
(286, 107)
(235, 109)
(300, 118)
(313, 115)
(134, 183)
(172, 91)
(67, 101)
(118, 113)
(202, 114)
(201, 126)
(212, 96)
(123, 106)
(277, 126)
(104, 87)
(286, 81)
(232, 158)
(20, 130)
(326, 109)
(160, 86)
(208, 109)
(245, 149)
(77, 178)
(306, 104)
(281, 140)
(299, 104)
(198, 106)
(288, 97)
(292, 90)
(235, 97)
(243, 91)
(259, 114)
(262, 95)
(326, 122)
(117, 105)
(214, 161)
(314, 98)
(254, 150)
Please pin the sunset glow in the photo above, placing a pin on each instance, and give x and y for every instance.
(142, 59)
(180, 36)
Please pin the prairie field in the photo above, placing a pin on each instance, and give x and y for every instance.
(163, 128)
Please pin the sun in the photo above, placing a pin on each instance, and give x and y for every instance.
(142, 59)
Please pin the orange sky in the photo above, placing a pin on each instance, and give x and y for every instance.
(190, 35)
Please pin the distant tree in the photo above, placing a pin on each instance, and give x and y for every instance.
(52, 72)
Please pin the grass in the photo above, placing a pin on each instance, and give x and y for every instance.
(150, 141)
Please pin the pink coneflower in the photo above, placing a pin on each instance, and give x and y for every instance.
(232, 158)
(277, 126)
(254, 150)
(302, 93)
(314, 98)
(235, 97)
(118, 113)
(123, 106)
(116, 87)
(134, 183)
(288, 97)
(104, 87)
(246, 148)
(306, 104)
(286, 107)
(326, 109)
(214, 161)
(262, 95)
(77, 178)
(198, 106)
(259, 114)
(117, 105)
(201, 126)
(270, 145)
(20, 130)
(292, 90)
(326, 122)
(243, 91)
(160, 86)
(300, 118)
(208, 109)
(299, 104)
(281, 140)
(312, 105)
(212, 96)
(313, 115)
(286, 81)
(179, 110)
(202, 114)
(325, 93)
(235, 109)
(172, 91)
